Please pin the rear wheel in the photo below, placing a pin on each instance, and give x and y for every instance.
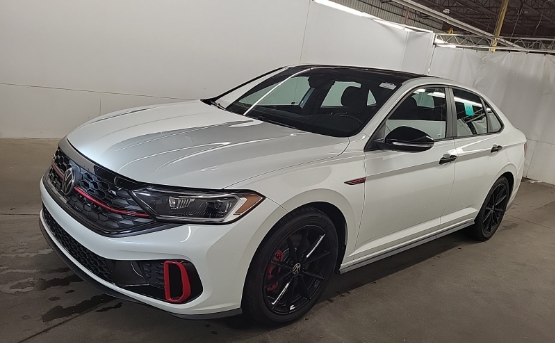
(492, 211)
(291, 268)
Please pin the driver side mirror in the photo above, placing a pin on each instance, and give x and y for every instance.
(408, 139)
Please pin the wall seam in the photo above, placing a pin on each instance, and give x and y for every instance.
(90, 91)
(304, 33)
(531, 159)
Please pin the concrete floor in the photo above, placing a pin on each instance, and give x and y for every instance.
(449, 290)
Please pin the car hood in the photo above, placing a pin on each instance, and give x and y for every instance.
(193, 144)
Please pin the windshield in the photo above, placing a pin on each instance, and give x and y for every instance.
(333, 101)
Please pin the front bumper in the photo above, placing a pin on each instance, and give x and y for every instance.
(220, 253)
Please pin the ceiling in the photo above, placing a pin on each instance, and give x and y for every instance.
(528, 18)
(524, 18)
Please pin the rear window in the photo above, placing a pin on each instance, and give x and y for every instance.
(494, 121)
(471, 116)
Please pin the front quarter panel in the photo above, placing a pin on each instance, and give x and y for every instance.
(322, 181)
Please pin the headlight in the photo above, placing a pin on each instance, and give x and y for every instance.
(196, 206)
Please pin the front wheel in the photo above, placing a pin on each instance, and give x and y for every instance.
(492, 211)
(291, 268)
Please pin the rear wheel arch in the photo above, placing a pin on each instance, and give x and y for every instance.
(492, 210)
(510, 177)
(510, 173)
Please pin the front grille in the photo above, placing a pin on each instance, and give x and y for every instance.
(153, 272)
(105, 191)
(94, 263)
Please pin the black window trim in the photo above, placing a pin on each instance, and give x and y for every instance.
(486, 105)
(209, 100)
(485, 112)
(449, 132)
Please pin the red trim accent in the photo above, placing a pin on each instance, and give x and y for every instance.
(185, 285)
(356, 181)
(128, 213)
(57, 170)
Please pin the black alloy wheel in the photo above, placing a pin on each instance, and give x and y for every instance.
(495, 209)
(491, 214)
(291, 269)
(294, 273)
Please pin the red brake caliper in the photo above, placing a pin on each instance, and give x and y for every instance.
(273, 270)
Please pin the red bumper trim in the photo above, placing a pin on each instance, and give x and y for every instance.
(185, 285)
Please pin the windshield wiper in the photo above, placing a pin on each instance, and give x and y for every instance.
(213, 102)
(271, 121)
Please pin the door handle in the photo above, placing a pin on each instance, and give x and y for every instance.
(447, 158)
(496, 148)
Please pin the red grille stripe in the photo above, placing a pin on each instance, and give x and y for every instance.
(128, 213)
(57, 170)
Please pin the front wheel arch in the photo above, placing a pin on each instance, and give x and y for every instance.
(339, 222)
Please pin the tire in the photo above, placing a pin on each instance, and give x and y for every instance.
(299, 280)
(489, 218)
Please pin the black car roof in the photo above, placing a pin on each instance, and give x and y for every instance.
(393, 75)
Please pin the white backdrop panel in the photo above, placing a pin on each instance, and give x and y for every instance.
(456, 64)
(42, 112)
(169, 48)
(418, 52)
(128, 53)
(335, 37)
(522, 85)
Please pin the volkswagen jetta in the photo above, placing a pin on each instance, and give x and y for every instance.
(250, 201)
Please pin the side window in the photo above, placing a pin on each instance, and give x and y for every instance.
(494, 122)
(291, 92)
(333, 98)
(471, 117)
(425, 110)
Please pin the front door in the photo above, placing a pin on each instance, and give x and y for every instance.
(406, 192)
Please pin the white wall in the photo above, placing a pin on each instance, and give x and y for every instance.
(63, 62)
(522, 85)
(335, 37)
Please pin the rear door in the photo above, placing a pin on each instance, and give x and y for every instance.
(480, 156)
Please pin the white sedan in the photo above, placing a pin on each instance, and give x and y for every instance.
(249, 201)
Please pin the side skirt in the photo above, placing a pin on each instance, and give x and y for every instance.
(396, 250)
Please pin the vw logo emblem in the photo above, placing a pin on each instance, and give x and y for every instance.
(296, 269)
(68, 182)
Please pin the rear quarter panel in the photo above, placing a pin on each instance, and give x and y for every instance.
(514, 149)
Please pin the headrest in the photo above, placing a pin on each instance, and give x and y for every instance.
(354, 97)
(409, 104)
(406, 110)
